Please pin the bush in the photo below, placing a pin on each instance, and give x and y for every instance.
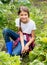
(6, 59)
(5, 1)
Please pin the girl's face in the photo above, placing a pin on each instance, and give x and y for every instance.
(24, 16)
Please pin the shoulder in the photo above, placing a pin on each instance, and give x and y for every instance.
(32, 25)
(32, 22)
(17, 20)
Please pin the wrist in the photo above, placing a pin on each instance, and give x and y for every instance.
(22, 46)
(27, 44)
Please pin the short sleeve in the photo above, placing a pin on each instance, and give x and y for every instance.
(17, 22)
(34, 26)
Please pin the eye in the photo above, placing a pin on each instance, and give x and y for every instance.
(21, 14)
(25, 14)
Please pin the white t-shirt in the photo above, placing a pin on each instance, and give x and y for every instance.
(26, 27)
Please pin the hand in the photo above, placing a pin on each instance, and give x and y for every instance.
(23, 50)
(26, 48)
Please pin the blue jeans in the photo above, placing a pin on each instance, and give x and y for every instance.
(7, 34)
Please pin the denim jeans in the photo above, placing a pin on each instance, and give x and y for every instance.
(7, 34)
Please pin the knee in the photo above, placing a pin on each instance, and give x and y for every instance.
(5, 30)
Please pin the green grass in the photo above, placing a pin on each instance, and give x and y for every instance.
(41, 25)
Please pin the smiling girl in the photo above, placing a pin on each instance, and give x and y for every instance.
(25, 36)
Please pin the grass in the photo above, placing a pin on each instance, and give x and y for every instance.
(43, 7)
(25, 60)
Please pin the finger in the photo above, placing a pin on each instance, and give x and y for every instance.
(26, 51)
(23, 51)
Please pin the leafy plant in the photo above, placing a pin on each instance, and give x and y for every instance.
(32, 55)
(6, 59)
(5, 1)
(36, 62)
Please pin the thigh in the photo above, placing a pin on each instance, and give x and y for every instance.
(13, 34)
(18, 48)
(10, 33)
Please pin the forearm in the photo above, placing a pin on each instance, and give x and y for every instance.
(21, 39)
(32, 38)
(21, 36)
(30, 41)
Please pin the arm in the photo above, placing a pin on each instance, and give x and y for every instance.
(20, 32)
(21, 38)
(32, 38)
(30, 41)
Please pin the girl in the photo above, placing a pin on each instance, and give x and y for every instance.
(24, 39)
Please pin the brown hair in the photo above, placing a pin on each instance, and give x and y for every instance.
(23, 8)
